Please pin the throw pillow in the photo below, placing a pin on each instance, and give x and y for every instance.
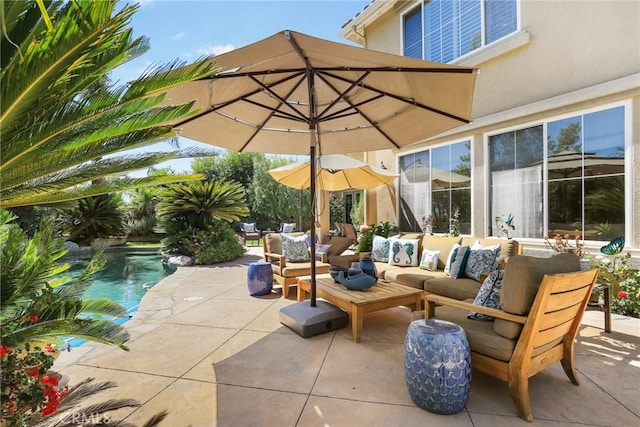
(452, 252)
(482, 261)
(380, 249)
(295, 249)
(488, 295)
(403, 252)
(459, 262)
(249, 228)
(322, 249)
(288, 227)
(429, 260)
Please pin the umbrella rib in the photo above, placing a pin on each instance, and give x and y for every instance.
(374, 125)
(213, 109)
(400, 98)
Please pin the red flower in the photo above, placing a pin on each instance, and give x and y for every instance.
(50, 348)
(33, 318)
(623, 294)
(50, 380)
(4, 350)
(33, 372)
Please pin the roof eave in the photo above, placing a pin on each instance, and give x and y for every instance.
(353, 29)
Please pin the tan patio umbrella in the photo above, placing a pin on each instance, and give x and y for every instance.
(334, 172)
(296, 94)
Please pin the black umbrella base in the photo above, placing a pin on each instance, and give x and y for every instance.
(308, 321)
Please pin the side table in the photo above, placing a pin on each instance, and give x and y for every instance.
(605, 288)
(260, 278)
(437, 365)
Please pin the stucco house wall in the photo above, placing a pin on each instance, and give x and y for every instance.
(566, 57)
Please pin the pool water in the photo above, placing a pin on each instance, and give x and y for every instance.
(125, 279)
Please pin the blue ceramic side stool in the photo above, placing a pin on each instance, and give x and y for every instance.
(437, 365)
(260, 278)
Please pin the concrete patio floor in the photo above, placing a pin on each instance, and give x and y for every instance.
(212, 355)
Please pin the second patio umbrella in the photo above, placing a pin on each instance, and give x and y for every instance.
(334, 172)
(296, 94)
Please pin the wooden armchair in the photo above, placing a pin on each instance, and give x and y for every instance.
(250, 232)
(285, 271)
(548, 330)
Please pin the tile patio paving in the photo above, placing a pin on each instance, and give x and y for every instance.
(212, 355)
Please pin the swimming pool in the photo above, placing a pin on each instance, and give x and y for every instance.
(125, 279)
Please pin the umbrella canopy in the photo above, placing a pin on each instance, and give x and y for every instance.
(334, 172)
(571, 164)
(296, 94)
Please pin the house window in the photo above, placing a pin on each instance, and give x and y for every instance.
(436, 181)
(444, 30)
(581, 165)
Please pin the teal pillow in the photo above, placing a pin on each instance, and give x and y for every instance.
(380, 249)
(459, 262)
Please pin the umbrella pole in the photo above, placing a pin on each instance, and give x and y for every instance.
(312, 158)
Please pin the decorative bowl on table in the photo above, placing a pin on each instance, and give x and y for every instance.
(333, 271)
(358, 282)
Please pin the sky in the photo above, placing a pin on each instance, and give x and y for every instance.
(189, 30)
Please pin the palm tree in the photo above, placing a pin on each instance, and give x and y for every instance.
(61, 119)
(197, 204)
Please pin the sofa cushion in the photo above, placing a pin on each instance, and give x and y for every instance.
(458, 262)
(411, 276)
(380, 249)
(480, 261)
(384, 267)
(297, 269)
(338, 245)
(295, 249)
(444, 244)
(459, 289)
(404, 252)
(481, 336)
(522, 278)
(488, 295)
(429, 260)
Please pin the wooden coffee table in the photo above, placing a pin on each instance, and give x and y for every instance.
(379, 297)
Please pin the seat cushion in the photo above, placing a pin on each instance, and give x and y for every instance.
(410, 276)
(297, 269)
(480, 334)
(459, 289)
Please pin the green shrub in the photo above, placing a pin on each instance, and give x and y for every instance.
(214, 244)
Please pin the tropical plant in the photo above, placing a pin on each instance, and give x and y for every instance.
(61, 118)
(197, 204)
(357, 213)
(37, 304)
(95, 217)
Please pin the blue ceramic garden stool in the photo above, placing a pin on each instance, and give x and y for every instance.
(260, 278)
(437, 365)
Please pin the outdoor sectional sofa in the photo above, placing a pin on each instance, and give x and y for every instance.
(437, 282)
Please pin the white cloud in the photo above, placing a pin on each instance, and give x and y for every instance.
(215, 50)
(180, 35)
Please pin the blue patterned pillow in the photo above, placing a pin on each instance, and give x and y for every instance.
(488, 295)
(482, 261)
(295, 249)
(403, 252)
(380, 249)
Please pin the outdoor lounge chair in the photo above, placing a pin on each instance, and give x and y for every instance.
(520, 342)
(350, 232)
(250, 232)
(286, 272)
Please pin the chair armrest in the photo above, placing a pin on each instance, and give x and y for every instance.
(432, 300)
(282, 261)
